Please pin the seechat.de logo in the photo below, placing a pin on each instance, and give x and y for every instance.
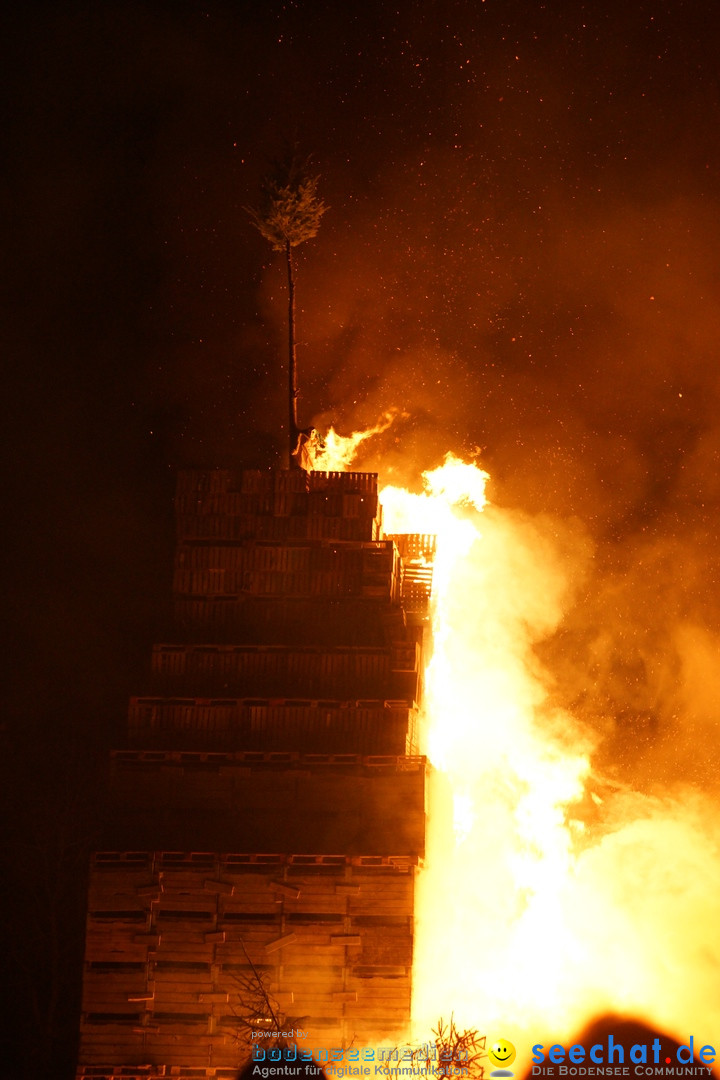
(612, 1058)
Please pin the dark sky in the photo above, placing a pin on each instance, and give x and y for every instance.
(521, 253)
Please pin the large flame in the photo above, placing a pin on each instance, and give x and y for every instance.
(499, 851)
(529, 921)
(335, 452)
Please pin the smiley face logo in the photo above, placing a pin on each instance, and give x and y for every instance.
(501, 1054)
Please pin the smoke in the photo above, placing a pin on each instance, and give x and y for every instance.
(645, 900)
(594, 400)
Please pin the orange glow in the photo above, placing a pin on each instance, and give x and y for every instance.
(528, 922)
(498, 847)
(338, 451)
(529, 919)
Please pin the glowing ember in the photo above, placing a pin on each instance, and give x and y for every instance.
(527, 920)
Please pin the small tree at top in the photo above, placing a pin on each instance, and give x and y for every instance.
(289, 213)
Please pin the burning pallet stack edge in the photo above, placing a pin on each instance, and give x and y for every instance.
(268, 813)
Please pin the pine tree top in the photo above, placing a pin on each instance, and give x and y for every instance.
(291, 209)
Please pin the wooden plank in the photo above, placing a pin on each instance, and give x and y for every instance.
(400, 1014)
(224, 887)
(251, 936)
(182, 941)
(376, 994)
(186, 927)
(182, 982)
(291, 891)
(280, 943)
(170, 1001)
(99, 953)
(334, 954)
(374, 974)
(149, 893)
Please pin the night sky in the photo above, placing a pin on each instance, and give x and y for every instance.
(521, 254)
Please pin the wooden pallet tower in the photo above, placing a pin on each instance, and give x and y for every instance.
(268, 816)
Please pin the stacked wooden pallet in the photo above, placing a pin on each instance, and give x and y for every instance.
(259, 671)
(417, 552)
(173, 945)
(285, 620)
(361, 727)
(250, 504)
(361, 806)
(371, 569)
(269, 815)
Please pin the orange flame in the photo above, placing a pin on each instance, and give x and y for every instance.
(526, 924)
(335, 453)
(498, 848)
(527, 921)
